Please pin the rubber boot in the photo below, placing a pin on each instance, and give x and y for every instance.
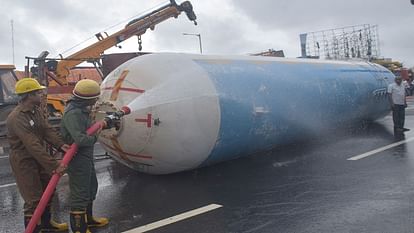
(50, 225)
(78, 222)
(94, 221)
(26, 223)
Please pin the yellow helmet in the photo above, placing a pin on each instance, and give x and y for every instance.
(26, 85)
(87, 89)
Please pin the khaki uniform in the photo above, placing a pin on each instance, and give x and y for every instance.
(81, 170)
(31, 164)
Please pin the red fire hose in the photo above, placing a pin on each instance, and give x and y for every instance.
(55, 179)
(65, 161)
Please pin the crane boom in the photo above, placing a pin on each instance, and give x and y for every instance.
(136, 27)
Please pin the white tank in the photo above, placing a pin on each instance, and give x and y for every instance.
(175, 117)
(189, 111)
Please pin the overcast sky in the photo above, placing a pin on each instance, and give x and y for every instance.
(226, 26)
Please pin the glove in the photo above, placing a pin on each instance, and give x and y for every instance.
(60, 170)
(112, 121)
(109, 122)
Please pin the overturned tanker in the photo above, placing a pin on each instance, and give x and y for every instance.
(189, 111)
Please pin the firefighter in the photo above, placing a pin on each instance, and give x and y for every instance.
(81, 170)
(31, 164)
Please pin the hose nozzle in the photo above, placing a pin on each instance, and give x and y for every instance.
(113, 118)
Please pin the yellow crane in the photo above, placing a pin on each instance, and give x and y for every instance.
(54, 72)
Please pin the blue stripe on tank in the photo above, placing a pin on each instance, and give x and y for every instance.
(263, 105)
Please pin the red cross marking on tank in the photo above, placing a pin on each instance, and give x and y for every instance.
(148, 120)
(118, 87)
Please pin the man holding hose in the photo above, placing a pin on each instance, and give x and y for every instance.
(31, 164)
(82, 176)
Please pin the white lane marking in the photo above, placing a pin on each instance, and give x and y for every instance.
(7, 185)
(369, 153)
(174, 219)
(4, 157)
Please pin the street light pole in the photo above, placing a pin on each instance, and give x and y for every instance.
(199, 39)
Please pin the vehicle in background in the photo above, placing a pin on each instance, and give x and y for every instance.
(395, 67)
(9, 99)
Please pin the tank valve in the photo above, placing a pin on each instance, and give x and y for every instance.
(113, 119)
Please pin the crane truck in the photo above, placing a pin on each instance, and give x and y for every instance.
(54, 72)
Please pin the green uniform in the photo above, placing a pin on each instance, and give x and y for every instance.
(81, 170)
(31, 164)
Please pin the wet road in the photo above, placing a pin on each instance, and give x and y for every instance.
(306, 187)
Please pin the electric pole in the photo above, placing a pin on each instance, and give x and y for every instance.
(12, 37)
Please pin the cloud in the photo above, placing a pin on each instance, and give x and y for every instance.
(226, 26)
(58, 25)
(393, 18)
(26, 42)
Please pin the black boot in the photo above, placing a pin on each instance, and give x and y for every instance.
(49, 225)
(26, 223)
(78, 222)
(94, 221)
